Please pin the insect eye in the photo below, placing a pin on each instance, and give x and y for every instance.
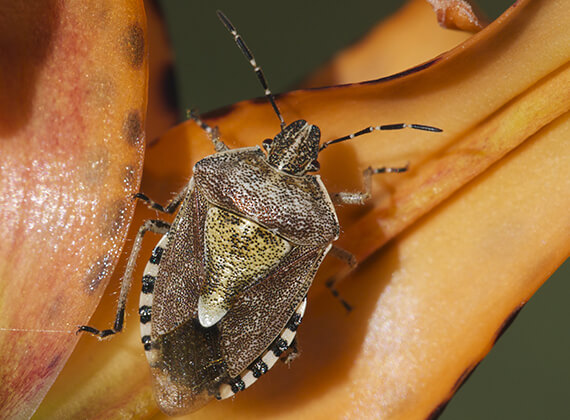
(267, 144)
(314, 166)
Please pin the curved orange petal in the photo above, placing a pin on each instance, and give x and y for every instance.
(72, 112)
(411, 36)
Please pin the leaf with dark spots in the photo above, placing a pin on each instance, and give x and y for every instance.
(67, 89)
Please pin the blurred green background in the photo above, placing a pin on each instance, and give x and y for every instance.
(527, 374)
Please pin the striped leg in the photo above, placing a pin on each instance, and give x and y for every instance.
(348, 258)
(155, 226)
(362, 197)
(147, 294)
(170, 207)
(266, 361)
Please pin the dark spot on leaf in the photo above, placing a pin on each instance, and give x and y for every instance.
(508, 321)
(134, 45)
(54, 308)
(54, 362)
(133, 127)
(97, 272)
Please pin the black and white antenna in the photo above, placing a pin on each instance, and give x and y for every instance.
(257, 69)
(370, 129)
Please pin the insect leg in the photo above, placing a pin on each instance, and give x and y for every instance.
(170, 207)
(355, 198)
(212, 132)
(363, 196)
(331, 286)
(155, 226)
(291, 354)
(343, 254)
(350, 259)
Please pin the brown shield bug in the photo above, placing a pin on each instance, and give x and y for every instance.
(225, 288)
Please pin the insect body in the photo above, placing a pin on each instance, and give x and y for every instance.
(225, 288)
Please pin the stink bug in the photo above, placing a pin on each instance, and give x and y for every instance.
(225, 288)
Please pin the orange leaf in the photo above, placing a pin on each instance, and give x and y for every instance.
(411, 36)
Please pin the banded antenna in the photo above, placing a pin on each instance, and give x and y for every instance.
(257, 69)
(370, 129)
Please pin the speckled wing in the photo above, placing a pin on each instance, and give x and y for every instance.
(189, 361)
(192, 361)
(262, 311)
(187, 368)
(181, 272)
(185, 358)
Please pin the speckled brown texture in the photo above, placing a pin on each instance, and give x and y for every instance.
(243, 250)
(134, 47)
(133, 127)
(242, 181)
